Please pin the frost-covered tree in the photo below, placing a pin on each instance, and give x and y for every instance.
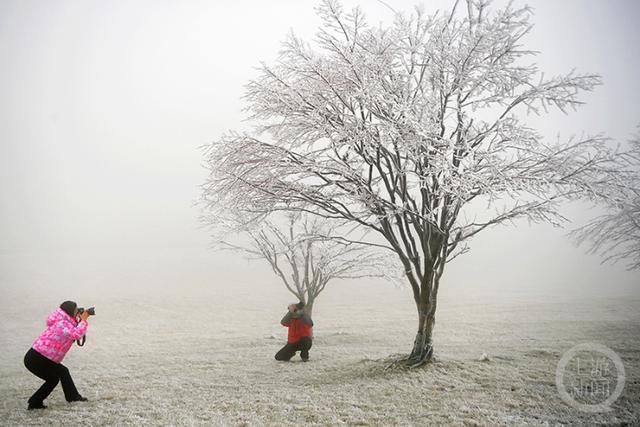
(615, 235)
(304, 251)
(406, 130)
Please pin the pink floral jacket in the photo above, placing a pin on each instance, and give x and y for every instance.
(57, 339)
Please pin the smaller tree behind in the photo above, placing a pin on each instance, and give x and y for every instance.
(307, 252)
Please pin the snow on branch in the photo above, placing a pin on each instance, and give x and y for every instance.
(398, 129)
(616, 234)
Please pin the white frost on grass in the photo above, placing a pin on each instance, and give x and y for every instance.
(178, 366)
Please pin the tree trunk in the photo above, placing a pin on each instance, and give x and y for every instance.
(308, 309)
(426, 303)
(423, 345)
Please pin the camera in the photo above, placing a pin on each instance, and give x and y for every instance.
(90, 310)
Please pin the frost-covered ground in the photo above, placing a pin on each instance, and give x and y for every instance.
(193, 357)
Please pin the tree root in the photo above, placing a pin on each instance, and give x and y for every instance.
(410, 361)
(424, 356)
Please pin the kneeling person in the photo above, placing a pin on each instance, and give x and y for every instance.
(300, 333)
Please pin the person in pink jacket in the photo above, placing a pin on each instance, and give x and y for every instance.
(45, 356)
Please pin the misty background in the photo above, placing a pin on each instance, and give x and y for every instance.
(105, 105)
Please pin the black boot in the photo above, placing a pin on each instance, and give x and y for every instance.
(79, 398)
(36, 406)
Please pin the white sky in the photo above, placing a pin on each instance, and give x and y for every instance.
(104, 104)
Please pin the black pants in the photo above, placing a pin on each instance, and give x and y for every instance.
(51, 372)
(288, 351)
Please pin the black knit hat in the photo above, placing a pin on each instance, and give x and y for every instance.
(69, 307)
(300, 305)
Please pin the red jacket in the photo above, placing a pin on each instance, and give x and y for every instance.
(300, 325)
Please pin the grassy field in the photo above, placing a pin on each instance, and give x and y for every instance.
(198, 358)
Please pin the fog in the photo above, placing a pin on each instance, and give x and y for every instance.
(104, 106)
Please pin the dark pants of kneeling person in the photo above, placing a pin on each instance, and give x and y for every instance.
(288, 351)
(52, 373)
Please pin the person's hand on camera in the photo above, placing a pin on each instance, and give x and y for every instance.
(84, 315)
